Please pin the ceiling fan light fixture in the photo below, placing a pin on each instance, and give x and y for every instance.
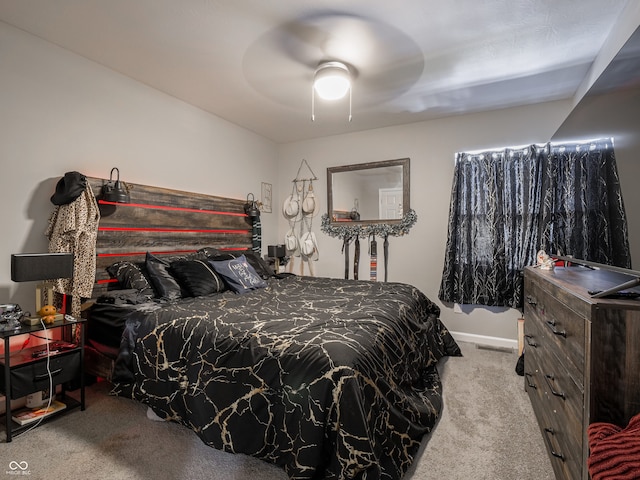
(332, 80)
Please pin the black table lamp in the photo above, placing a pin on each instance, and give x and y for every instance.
(277, 252)
(39, 267)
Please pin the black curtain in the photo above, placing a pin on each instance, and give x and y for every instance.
(508, 204)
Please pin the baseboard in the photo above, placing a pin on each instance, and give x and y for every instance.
(486, 340)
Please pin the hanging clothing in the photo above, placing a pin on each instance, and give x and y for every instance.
(356, 258)
(73, 227)
(373, 265)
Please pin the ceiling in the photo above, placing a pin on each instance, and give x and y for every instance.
(252, 62)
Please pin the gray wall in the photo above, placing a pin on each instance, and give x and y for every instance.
(418, 257)
(61, 112)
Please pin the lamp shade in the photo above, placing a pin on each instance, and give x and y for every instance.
(276, 251)
(30, 267)
(332, 80)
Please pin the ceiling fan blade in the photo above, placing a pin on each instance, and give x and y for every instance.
(384, 62)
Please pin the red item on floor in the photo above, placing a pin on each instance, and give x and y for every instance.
(614, 451)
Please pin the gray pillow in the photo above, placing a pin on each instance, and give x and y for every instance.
(238, 274)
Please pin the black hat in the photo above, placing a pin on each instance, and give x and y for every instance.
(69, 188)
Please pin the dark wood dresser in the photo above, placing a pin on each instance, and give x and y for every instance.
(582, 359)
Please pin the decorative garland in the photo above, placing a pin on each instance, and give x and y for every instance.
(363, 230)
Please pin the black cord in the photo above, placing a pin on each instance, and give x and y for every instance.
(38, 336)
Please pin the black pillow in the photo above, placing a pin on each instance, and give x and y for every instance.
(165, 285)
(259, 264)
(197, 277)
(238, 274)
(209, 251)
(130, 276)
(221, 256)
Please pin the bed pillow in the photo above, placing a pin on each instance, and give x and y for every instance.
(238, 274)
(130, 276)
(163, 282)
(209, 251)
(197, 277)
(260, 265)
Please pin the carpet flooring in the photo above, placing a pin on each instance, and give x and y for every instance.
(487, 431)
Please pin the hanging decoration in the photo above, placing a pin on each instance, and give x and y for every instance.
(356, 258)
(299, 208)
(373, 254)
(345, 251)
(364, 230)
(385, 249)
(352, 232)
(252, 210)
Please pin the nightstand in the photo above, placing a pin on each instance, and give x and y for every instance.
(24, 372)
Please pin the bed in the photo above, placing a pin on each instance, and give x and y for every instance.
(327, 378)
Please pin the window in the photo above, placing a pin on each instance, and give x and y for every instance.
(508, 204)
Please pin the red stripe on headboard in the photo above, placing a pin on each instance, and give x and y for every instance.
(130, 254)
(166, 207)
(164, 252)
(181, 230)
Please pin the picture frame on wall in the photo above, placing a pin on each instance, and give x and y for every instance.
(266, 197)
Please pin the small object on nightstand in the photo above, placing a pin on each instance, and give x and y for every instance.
(36, 320)
(277, 252)
(43, 353)
(29, 415)
(10, 315)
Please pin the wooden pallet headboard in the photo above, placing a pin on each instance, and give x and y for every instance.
(164, 222)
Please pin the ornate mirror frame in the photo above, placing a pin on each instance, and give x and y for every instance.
(349, 226)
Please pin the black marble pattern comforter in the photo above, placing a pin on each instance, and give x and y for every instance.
(328, 378)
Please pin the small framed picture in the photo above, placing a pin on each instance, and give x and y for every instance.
(266, 197)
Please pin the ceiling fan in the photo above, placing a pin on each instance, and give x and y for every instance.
(382, 61)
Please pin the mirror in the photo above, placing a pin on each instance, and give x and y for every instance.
(375, 192)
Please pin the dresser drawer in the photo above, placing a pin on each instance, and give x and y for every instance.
(31, 377)
(538, 336)
(566, 460)
(559, 328)
(557, 403)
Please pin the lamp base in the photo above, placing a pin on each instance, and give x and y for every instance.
(36, 320)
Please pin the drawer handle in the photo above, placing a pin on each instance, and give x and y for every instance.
(549, 431)
(554, 329)
(530, 342)
(549, 379)
(529, 384)
(531, 301)
(44, 376)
